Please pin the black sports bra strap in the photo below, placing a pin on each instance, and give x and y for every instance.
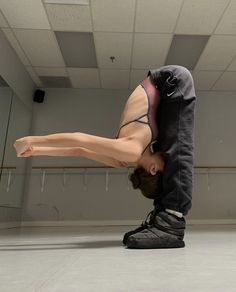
(135, 120)
(154, 146)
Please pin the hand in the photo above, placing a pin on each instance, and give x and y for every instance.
(29, 152)
(22, 146)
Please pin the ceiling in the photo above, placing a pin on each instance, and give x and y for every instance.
(111, 44)
(3, 83)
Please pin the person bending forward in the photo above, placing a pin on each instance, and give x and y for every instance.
(155, 137)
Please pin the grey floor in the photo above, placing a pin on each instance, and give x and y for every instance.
(93, 259)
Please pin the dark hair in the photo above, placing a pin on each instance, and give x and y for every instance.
(150, 185)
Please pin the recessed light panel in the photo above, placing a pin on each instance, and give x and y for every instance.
(77, 49)
(185, 50)
(81, 2)
(52, 81)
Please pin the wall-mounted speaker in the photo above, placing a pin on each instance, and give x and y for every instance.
(39, 95)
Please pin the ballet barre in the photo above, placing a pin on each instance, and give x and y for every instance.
(205, 170)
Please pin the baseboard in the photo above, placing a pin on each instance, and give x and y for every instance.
(120, 222)
(107, 223)
(211, 222)
(10, 225)
(81, 223)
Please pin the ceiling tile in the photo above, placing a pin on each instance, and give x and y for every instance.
(150, 18)
(84, 77)
(200, 17)
(77, 49)
(232, 66)
(3, 22)
(50, 71)
(118, 45)
(136, 77)
(113, 15)
(34, 76)
(226, 82)
(14, 43)
(204, 80)
(69, 17)
(185, 50)
(40, 47)
(227, 25)
(150, 50)
(115, 79)
(218, 53)
(25, 14)
(55, 82)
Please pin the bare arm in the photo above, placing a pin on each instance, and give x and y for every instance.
(77, 151)
(122, 149)
(98, 157)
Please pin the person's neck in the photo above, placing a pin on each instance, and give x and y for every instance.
(142, 160)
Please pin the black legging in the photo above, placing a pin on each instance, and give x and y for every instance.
(176, 135)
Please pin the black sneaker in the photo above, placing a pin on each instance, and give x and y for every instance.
(144, 224)
(167, 231)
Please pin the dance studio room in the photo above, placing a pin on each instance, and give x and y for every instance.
(117, 145)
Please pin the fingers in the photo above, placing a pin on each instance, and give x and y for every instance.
(22, 149)
(27, 153)
(23, 155)
(21, 145)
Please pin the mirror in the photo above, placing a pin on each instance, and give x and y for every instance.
(15, 123)
(6, 95)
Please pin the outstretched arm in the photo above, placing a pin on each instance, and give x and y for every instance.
(74, 151)
(125, 149)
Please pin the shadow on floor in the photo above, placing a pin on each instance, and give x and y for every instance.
(55, 246)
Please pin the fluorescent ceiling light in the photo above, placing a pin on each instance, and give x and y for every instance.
(81, 2)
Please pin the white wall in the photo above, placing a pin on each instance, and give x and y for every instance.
(5, 103)
(98, 112)
(14, 73)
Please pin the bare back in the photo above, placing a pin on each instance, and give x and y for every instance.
(138, 119)
(136, 106)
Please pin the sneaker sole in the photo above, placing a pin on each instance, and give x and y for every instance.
(132, 243)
